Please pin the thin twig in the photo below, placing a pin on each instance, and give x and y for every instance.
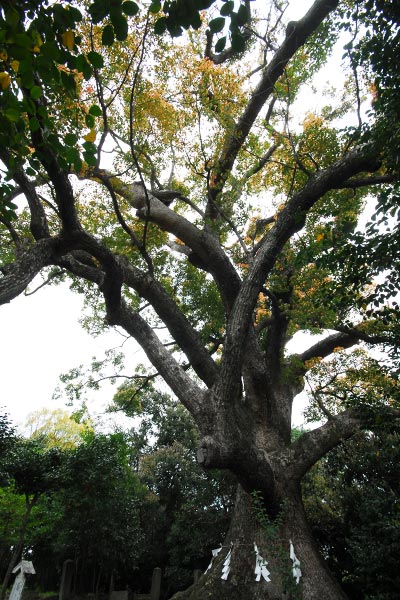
(47, 282)
(321, 405)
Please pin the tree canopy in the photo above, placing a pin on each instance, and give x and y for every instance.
(167, 174)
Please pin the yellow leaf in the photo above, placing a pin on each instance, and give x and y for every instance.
(15, 65)
(320, 237)
(68, 39)
(91, 136)
(3, 55)
(37, 39)
(5, 80)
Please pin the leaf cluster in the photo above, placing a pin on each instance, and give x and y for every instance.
(352, 497)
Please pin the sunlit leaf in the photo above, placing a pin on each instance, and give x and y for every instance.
(68, 39)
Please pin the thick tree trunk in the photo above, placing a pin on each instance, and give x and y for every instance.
(250, 529)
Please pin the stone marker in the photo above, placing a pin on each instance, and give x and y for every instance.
(18, 587)
(119, 595)
(67, 578)
(25, 566)
(197, 573)
(156, 584)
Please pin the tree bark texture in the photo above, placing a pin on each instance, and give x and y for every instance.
(251, 528)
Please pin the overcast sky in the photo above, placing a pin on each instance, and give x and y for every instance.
(40, 339)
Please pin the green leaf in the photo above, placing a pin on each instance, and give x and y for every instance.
(29, 106)
(242, 15)
(99, 10)
(72, 155)
(220, 45)
(155, 6)
(120, 25)
(48, 70)
(227, 8)
(75, 14)
(27, 80)
(89, 147)
(89, 120)
(35, 92)
(95, 110)
(238, 42)
(174, 29)
(12, 17)
(68, 81)
(24, 40)
(50, 50)
(217, 24)
(130, 8)
(78, 164)
(160, 26)
(19, 53)
(12, 114)
(90, 158)
(95, 59)
(84, 67)
(203, 4)
(70, 139)
(193, 20)
(34, 124)
(107, 37)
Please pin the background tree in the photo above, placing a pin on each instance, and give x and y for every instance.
(96, 514)
(7, 439)
(58, 427)
(124, 502)
(231, 284)
(33, 471)
(352, 498)
(187, 511)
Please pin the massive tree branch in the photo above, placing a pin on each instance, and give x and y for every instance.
(38, 224)
(366, 181)
(347, 338)
(191, 395)
(299, 33)
(21, 272)
(146, 286)
(290, 220)
(178, 325)
(59, 178)
(312, 445)
(325, 347)
(204, 245)
(363, 336)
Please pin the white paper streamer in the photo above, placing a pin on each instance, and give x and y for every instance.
(226, 568)
(261, 567)
(296, 563)
(214, 554)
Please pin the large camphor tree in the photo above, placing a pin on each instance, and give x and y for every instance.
(170, 178)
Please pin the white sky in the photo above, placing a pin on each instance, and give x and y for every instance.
(41, 338)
